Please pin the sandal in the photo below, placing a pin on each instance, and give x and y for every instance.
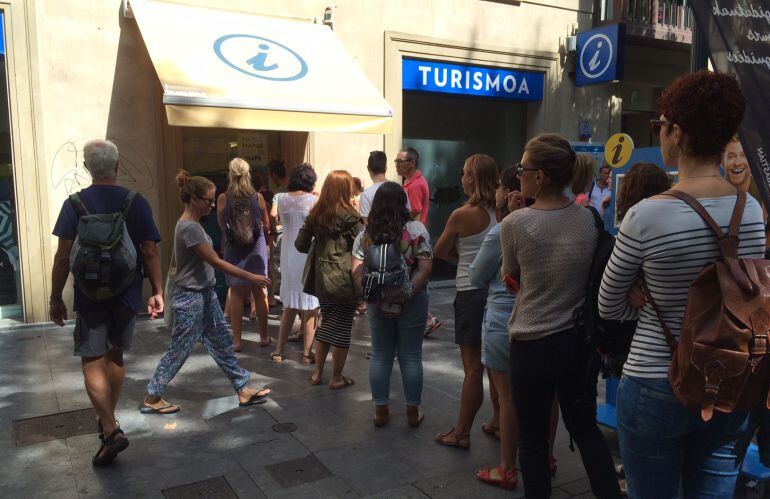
(414, 417)
(308, 359)
(381, 416)
(508, 479)
(110, 448)
(257, 398)
(276, 357)
(165, 409)
(463, 442)
(346, 382)
(491, 430)
(315, 382)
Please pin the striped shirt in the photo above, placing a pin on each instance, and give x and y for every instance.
(667, 242)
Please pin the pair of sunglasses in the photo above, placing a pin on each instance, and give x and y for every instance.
(656, 125)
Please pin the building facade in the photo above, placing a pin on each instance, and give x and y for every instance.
(459, 76)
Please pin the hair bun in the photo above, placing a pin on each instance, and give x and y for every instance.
(182, 177)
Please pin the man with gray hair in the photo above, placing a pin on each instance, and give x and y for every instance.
(104, 328)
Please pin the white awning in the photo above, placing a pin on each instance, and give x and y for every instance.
(235, 70)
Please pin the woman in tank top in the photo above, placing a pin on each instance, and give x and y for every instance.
(461, 240)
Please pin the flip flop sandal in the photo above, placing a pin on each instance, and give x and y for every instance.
(257, 398)
(346, 382)
(508, 479)
(276, 357)
(491, 430)
(166, 409)
(110, 448)
(317, 382)
(460, 443)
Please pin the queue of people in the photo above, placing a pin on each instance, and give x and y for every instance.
(524, 243)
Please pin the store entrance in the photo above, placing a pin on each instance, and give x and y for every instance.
(445, 130)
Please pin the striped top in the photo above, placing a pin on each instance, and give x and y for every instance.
(669, 243)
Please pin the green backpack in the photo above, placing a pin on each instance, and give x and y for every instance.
(103, 257)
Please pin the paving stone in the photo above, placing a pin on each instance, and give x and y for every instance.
(211, 487)
(298, 471)
(403, 492)
(577, 487)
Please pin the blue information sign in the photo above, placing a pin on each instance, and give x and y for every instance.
(500, 83)
(600, 55)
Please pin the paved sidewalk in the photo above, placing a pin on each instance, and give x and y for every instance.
(335, 451)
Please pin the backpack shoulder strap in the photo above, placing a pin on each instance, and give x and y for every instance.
(597, 218)
(728, 243)
(127, 203)
(77, 203)
(672, 344)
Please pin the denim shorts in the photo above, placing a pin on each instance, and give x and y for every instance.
(495, 345)
(97, 331)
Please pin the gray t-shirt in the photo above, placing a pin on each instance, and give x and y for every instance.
(191, 272)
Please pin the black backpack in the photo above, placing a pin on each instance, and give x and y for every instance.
(385, 273)
(610, 338)
(242, 221)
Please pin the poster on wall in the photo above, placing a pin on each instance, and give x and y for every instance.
(253, 147)
(738, 36)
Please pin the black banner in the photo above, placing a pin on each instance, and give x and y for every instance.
(737, 33)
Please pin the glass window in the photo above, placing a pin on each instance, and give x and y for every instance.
(10, 268)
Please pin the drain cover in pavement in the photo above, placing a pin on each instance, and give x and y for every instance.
(53, 427)
(284, 427)
(213, 487)
(298, 471)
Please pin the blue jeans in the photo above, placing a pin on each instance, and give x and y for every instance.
(402, 336)
(664, 445)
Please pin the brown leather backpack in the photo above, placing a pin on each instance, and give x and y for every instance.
(721, 361)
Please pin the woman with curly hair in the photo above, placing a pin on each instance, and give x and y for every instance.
(327, 237)
(667, 242)
(400, 334)
(642, 181)
(459, 242)
(291, 210)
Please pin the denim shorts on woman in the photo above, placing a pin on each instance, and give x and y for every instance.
(469, 316)
(495, 346)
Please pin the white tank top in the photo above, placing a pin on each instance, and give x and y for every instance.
(467, 247)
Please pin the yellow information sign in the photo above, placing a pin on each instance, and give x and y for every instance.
(618, 149)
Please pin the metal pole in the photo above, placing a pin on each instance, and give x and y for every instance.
(699, 55)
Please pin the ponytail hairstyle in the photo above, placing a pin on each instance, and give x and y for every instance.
(584, 173)
(190, 187)
(552, 154)
(335, 197)
(239, 179)
(509, 180)
(485, 173)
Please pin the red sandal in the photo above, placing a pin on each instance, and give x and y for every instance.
(508, 479)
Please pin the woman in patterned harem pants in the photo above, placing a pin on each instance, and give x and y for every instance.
(197, 314)
(197, 317)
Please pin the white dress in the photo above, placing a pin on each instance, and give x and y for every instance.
(292, 211)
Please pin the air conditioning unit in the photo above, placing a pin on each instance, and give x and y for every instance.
(571, 44)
